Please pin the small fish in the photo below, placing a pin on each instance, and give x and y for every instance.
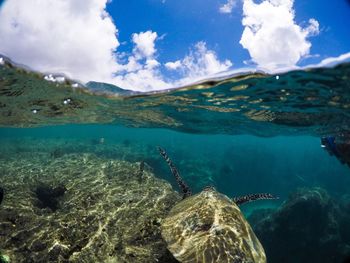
(1, 195)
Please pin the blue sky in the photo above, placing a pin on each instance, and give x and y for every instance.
(156, 44)
(186, 22)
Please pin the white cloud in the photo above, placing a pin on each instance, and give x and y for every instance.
(331, 61)
(145, 43)
(173, 65)
(72, 37)
(271, 35)
(152, 63)
(142, 71)
(313, 28)
(142, 80)
(201, 62)
(227, 8)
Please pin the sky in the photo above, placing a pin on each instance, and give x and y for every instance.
(159, 44)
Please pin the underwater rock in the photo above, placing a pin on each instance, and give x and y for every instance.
(103, 218)
(257, 214)
(344, 220)
(209, 227)
(304, 229)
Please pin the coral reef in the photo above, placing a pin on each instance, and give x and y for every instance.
(81, 208)
(309, 227)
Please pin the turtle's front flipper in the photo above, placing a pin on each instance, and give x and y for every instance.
(184, 187)
(252, 197)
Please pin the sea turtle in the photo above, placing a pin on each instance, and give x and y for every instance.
(209, 226)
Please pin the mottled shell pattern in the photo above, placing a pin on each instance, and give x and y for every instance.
(209, 227)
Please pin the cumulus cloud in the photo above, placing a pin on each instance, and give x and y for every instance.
(173, 65)
(145, 43)
(271, 35)
(77, 38)
(200, 62)
(227, 7)
(142, 71)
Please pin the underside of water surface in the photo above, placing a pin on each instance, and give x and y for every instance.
(81, 178)
(313, 102)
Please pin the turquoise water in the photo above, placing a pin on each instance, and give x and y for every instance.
(251, 133)
(235, 165)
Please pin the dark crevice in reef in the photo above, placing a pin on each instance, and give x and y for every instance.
(48, 197)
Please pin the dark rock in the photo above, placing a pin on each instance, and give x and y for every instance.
(344, 220)
(306, 228)
(256, 216)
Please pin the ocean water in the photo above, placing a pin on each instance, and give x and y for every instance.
(83, 181)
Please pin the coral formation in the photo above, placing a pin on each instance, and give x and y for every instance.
(80, 208)
(309, 227)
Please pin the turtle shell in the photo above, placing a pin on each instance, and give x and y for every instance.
(209, 227)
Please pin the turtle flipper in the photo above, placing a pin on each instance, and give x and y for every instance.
(184, 187)
(252, 197)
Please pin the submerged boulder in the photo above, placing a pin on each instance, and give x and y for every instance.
(306, 228)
